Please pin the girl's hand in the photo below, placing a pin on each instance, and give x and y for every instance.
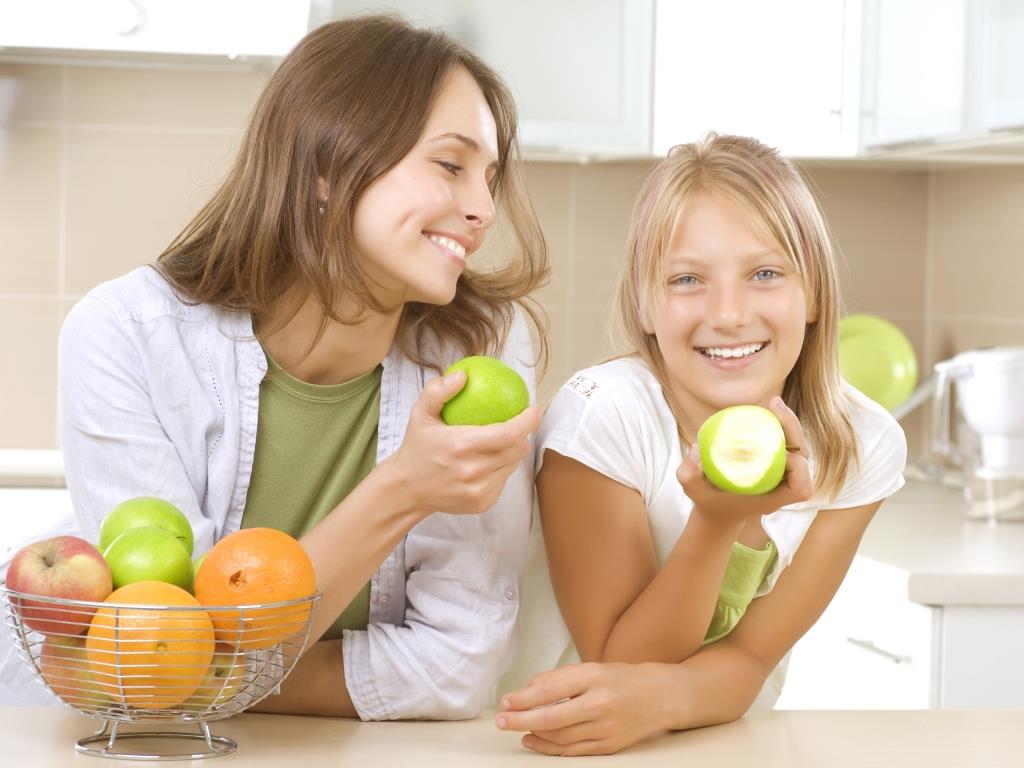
(731, 508)
(458, 469)
(587, 709)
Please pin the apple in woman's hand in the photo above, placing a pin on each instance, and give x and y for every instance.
(66, 567)
(149, 553)
(142, 511)
(493, 392)
(743, 449)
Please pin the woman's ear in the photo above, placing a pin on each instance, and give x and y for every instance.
(323, 189)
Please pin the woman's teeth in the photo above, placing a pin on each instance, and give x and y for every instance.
(449, 245)
(730, 352)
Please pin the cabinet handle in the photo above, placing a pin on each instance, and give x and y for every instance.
(869, 645)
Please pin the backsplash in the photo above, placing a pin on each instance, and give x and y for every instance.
(101, 167)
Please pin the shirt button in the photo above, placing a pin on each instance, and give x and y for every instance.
(509, 594)
(383, 598)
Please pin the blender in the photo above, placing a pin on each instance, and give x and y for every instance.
(987, 439)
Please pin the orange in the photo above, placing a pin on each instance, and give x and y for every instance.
(256, 566)
(153, 653)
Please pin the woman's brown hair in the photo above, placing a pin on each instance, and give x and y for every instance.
(346, 105)
(785, 212)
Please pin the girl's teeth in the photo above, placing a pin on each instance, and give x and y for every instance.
(449, 245)
(731, 352)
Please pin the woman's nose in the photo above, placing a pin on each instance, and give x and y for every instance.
(478, 205)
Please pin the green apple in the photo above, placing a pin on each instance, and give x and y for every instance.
(145, 510)
(149, 553)
(493, 392)
(743, 449)
(223, 678)
(197, 564)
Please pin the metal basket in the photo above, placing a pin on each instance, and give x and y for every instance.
(157, 664)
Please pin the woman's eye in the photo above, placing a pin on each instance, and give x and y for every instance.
(683, 280)
(452, 168)
(765, 274)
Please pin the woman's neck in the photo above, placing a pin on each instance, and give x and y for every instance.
(344, 351)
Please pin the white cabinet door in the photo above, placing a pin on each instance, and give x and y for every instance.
(579, 69)
(982, 663)
(1003, 65)
(785, 72)
(915, 60)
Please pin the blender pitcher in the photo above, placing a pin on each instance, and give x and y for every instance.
(988, 442)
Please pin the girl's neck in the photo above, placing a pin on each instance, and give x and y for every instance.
(344, 351)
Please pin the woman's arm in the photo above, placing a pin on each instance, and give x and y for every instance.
(608, 707)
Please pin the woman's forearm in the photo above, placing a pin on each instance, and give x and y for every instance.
(316, 686)
(348, 545)
(668, 620)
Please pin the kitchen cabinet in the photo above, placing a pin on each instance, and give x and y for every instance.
(786, 72)
(579, 69)
(930, 615)
(226, 28)
(1002, 82)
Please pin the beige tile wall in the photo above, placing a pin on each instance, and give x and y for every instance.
(99, 169)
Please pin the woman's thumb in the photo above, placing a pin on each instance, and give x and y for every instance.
(439, 391)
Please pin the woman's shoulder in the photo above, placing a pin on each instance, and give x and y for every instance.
(143, 295)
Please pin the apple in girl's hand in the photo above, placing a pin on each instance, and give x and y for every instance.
(743, 449)
(142, 511)
(66, 567)
(149, 553)
(65, 667)
(223, 678)
(493, 392)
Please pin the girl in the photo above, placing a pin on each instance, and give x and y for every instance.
(278, 366)
(681, 599)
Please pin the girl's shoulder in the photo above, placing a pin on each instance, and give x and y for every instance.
(623, 384)
(871, 422)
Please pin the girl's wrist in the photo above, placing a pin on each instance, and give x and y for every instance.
(711, 528)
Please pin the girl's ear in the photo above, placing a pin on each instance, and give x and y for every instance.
(323, 189)
(645, 320)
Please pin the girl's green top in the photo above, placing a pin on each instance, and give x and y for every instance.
(744, 574)
(314, 444)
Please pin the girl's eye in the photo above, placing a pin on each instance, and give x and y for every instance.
(452, 168)
(765, 274)
(683, 280)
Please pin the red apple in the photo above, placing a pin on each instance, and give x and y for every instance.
(65, 668)
(65, 567)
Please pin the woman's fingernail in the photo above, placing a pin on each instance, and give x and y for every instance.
(451, 378)
(500, 722)
(505, 703)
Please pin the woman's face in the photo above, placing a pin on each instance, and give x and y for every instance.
(731, 313)
(416, 225)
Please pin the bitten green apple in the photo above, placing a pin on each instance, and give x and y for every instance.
(149, 553)
(493, 392)
(145, 510)
(743, 449)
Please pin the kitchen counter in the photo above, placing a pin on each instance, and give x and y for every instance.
(948, 560)
(964, 739)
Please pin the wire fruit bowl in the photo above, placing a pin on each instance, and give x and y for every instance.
(158, 664)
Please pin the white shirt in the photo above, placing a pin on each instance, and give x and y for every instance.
(614, 419)
(160, 398)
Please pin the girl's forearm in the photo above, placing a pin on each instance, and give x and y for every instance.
(348, 545)
(668, 620)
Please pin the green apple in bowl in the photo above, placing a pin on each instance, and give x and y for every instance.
(743, 449)
(493, 392)
(149, 553)
(142, 511)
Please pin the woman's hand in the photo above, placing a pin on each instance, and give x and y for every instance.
(588, 709)
(457, 469)
(732, 508)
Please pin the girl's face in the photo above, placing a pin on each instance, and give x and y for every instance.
(731, 314)
(416, 225)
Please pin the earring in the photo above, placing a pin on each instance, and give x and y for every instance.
(322, 207)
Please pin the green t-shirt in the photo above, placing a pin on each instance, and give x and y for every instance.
(314, 444)
(744, 574)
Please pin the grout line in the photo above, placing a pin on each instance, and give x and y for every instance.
(979, 319)
(929, 270)
(62, 193)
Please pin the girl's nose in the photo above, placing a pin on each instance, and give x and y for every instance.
(729, 307)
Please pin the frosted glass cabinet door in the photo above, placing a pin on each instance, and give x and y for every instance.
(579, 69)
(914, 64)
(1003, 64)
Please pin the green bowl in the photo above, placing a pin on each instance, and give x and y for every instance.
(877, 358)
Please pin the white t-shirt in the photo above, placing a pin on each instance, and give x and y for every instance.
(614, 419)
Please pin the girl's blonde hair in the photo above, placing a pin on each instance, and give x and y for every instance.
(346, 105)
(784, 211)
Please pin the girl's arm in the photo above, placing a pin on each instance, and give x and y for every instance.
(611, 706)
(617, 603)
